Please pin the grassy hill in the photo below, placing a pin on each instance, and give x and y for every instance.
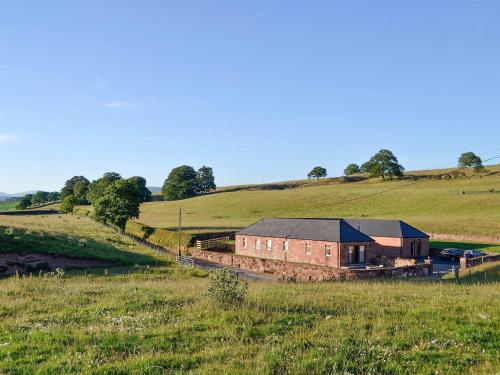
(7, 206)
(462, 206)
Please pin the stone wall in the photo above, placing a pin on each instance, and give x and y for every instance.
(308, 272)
(471, 262)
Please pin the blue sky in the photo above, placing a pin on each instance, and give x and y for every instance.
(259, 90)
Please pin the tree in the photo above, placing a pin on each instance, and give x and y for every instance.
(76, 186)
(317, 173)
(40, 197)
(352, 169)
(54, 196)
(470, 160)
(206, 179)
(383, 164)
(140, 183)
(24, 202)
(97, 187)
(119, 203)
(181, 183)
(68, 204)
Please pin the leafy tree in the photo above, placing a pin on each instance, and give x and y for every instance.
(140, 183)
(383, 164)
(470, 160)
(54, 196)
(317, 173)
(352, 169)
(40, 197)
(68, 203)
(24, 202)
(181, 183)
(206, 179)
(76, 186)
(97, 187)
(225, 288)
(119, 203)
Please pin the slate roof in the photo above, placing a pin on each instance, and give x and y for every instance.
(334, 230)
(386, 228)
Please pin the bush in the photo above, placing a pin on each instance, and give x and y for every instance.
(69, 203)
(168, 239)
(137, 230)
(225, 289)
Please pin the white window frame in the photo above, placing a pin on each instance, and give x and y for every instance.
(245, 243)
(328, 250)
(308, 248)
(257, 244)
(269, 245)
(362, 250)
(285, 246)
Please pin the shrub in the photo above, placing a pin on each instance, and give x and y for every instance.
(68, 204)
(225, 288)
(168, 239)
(137, 230)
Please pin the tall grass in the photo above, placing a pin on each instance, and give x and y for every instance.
(157, 321)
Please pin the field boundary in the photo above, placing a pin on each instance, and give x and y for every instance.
(464, 238)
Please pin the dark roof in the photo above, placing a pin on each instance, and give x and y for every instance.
(334, 230)
(386, 228)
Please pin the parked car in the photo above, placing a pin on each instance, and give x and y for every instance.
(451, 254)
(474, 253)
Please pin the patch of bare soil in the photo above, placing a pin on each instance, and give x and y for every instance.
(23, 263)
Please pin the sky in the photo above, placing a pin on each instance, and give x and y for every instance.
(261, 91)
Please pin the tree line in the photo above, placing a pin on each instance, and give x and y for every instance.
(37, 199)
(116, 200)
(385, 164)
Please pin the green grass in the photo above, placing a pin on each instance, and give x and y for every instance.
(7, 206)
(72, 236)
(142, 323)
(155, 320)
(436, 206)
(491, 248)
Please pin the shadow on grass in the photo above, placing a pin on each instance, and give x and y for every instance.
(109, 248)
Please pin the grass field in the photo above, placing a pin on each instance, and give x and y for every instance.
(490, 248)
(143, 324)
(436, 206)
(7, 206)
(70, 235)
(154, 319)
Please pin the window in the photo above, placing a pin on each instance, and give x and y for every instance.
(269, 245)
(362, 254)
(285, 246)
(351, 254)
(244, 243)
(412, 248)
(308, 248)
(328, 250)
(257, 244)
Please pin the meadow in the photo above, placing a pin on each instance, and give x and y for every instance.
(151, 317)
(157, 321)
(462, 206)
(7, 206)
(72, 236)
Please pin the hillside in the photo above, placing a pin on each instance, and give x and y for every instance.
(462, 206)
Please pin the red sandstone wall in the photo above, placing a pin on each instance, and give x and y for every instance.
(296, 250)
(339, 254)
(308, 272)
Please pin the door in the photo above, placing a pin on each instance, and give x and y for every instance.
(357, 254)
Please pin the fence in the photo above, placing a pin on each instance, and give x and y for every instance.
(211, 243)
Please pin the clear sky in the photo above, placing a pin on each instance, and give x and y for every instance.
(259, 90)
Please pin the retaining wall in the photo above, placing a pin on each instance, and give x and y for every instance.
(308, 272)
(471, 262)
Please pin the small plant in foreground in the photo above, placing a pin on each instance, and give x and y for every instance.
(225, 288)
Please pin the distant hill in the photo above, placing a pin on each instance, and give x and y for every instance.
(154, 189)
(5, 196)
